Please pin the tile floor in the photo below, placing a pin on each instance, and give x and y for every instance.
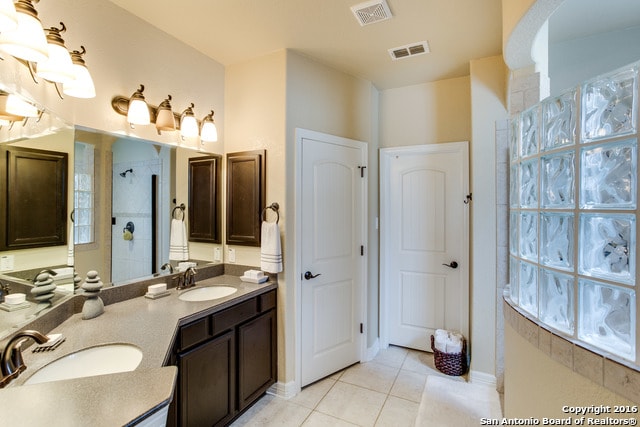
(383, 392)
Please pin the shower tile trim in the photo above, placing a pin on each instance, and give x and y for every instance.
(614, 374)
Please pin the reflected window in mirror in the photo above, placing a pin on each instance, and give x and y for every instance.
(84, 194)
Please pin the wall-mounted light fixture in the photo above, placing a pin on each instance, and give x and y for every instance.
(16, 106)
(165, 119)
(8, 16)
(57, 67)
(27, 41)
(138, 113)
(188, 123)
(46, 56)
(82, 84)
(209, 132)
(13, 108)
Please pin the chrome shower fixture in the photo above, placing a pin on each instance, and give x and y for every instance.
(124, 174)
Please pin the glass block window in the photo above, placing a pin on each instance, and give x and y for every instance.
(574, 209)
(84, 194)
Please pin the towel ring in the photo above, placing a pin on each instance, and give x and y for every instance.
(181, 208)
(274, 207)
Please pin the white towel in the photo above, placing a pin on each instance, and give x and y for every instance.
(70, 247)
(178, 249)
(270, 251)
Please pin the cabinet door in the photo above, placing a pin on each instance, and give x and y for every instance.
(206, 393)
(204, 199)
(246, 177)
(256, 358)
(34, 185)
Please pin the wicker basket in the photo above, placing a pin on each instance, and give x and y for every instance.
(454, 364)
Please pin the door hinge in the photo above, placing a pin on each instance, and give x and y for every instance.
(361, 328)
(361, 250)
(362, 168)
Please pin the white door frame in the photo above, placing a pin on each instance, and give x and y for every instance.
(301, 134)
(385, 157)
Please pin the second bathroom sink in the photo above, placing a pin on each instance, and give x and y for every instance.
(99, 360)
(207, 293)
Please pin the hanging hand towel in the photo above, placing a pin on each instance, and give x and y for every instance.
(178, 249)
(70, 248)
(270, 252)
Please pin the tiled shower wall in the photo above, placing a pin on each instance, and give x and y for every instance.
(524, 92)
(132, 202)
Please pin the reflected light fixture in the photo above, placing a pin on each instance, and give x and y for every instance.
(209, 133)
(138, 109)
(188, 123)
(8, 16)
(12, 105)
(27, 41)
(58, 67)
(82, 84)
(164, 116)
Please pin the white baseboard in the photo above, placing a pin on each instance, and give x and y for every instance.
(482, 378)
(283, 390)
(372, 351)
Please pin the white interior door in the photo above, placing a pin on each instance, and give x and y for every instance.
(333, 225)
(424, 242)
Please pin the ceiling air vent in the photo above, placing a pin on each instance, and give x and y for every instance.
(406, 51)
(371, 12)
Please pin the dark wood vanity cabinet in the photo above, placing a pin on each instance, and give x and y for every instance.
(226, 361)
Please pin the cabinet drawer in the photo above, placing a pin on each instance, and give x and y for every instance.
(267, 301)
(194, 333)
(234, 315)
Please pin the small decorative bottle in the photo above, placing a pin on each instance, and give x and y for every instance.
(93, 305)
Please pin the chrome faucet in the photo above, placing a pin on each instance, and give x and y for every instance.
(187, 280)
(167, 265)
(12, 362)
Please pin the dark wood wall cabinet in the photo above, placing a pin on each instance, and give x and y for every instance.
(226, 361)
(33, 190)
(246, 176)
(204, 199)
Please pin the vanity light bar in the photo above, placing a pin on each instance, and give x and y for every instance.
(204, 128)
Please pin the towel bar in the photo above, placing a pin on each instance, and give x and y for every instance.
(274, 207)
(181, 207)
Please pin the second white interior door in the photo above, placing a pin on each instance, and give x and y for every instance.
(424, 242)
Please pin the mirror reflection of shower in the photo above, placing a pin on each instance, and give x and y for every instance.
(124, 174)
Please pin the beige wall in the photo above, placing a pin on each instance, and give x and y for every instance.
(425, 114)
(488, 100)
(538, 386)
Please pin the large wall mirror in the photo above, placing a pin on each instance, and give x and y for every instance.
(121, 193)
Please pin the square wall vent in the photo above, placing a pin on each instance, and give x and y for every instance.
(371, 12)
(409, 50)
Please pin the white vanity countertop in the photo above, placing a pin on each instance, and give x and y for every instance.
(115, 399)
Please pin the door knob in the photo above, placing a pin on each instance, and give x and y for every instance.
(309, 276)
(452, 264)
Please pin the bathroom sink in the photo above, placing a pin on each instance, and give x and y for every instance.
(100, 360)
(208, 293)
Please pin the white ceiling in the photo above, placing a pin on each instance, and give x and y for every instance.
(234, 31)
